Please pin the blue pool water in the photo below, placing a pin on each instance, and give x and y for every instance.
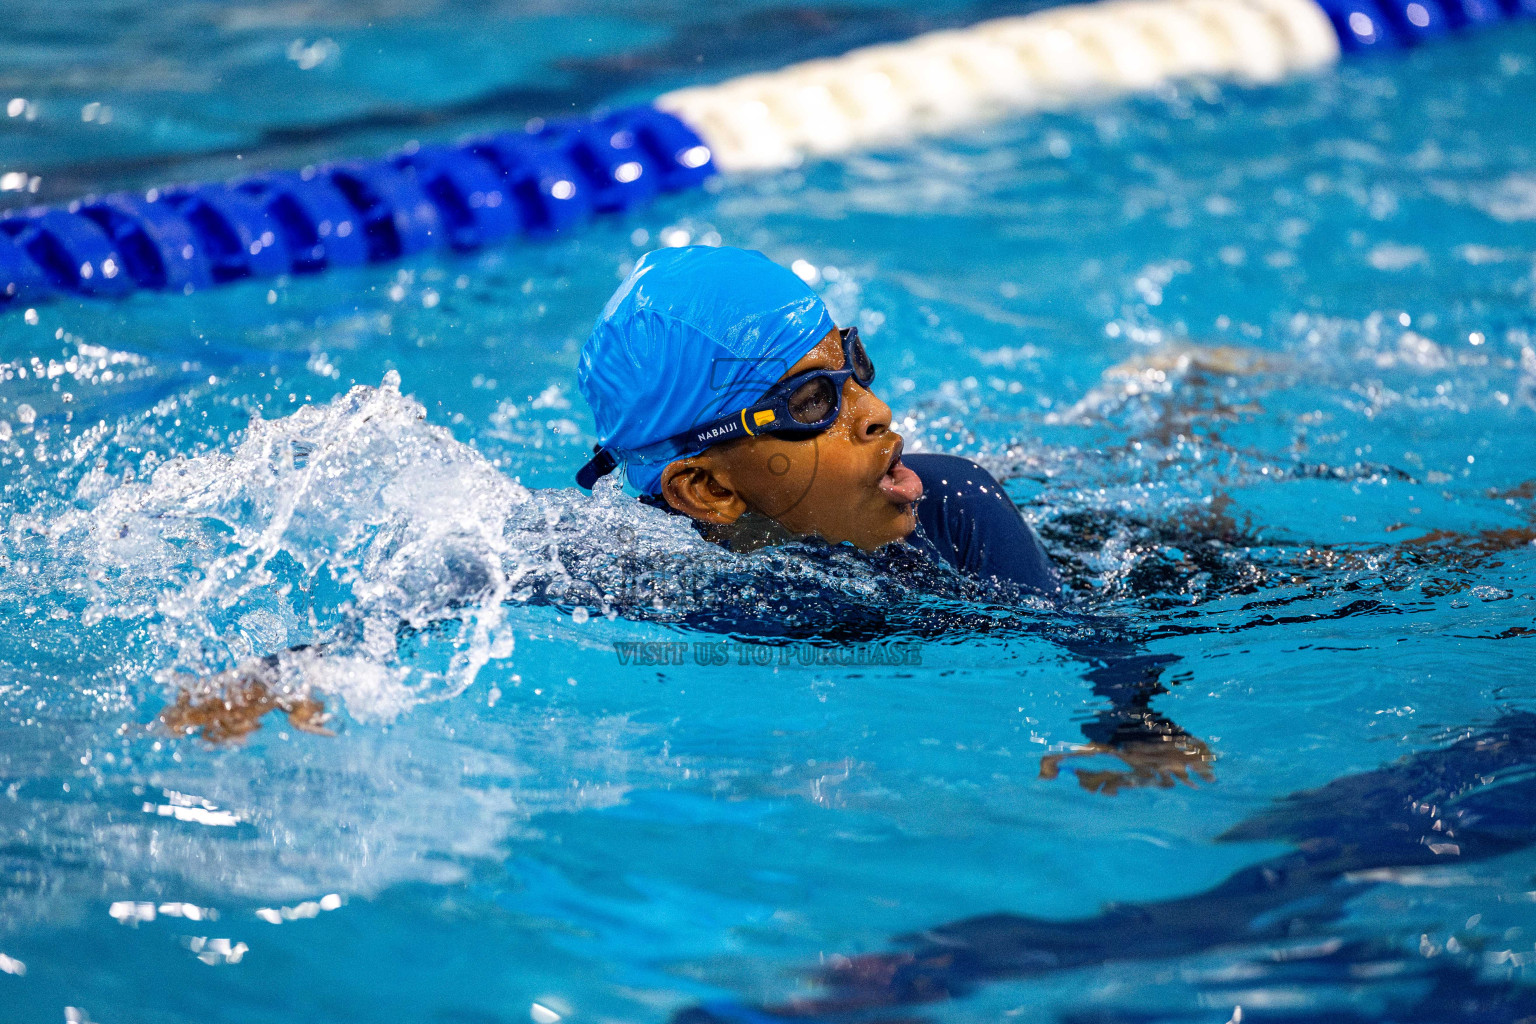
(1260, 365)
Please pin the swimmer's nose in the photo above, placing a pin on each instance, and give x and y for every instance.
(871, 417)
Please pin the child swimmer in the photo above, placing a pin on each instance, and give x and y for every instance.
(719, 382)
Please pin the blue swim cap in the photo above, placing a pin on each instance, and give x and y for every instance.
(691, 335)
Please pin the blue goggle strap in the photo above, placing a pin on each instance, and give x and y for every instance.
(769, 415)
(598, 466)
(744, 423)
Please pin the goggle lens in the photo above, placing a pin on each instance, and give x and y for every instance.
(858, 360)
(813, 402)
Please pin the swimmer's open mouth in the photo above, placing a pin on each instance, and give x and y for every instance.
(900, 484)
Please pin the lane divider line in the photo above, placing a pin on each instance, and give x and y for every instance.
(548, 178)
(553, 176)
(1052, 58)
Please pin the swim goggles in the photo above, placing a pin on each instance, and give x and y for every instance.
(799, 406)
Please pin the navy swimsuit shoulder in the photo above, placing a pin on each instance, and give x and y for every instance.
(964, 518)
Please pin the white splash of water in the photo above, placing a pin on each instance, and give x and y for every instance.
(360, 527)
(339, 524)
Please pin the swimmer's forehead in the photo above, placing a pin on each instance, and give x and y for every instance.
(827, 355)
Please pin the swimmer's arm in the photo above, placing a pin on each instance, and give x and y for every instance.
(229, 706)
(1156, 750)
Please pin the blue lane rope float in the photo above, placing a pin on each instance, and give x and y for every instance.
(546, 179)
(553, 176)
(1390, 24)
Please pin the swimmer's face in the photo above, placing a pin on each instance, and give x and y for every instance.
(844, 484)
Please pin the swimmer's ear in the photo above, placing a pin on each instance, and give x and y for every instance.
(695, 487)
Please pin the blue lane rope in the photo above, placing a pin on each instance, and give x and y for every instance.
(544, 180)
(1392, 24)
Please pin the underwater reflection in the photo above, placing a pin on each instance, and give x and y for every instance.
(1469, 801)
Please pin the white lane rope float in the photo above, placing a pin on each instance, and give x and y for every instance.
(1051, 59)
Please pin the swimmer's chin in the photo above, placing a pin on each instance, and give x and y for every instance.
(754, 531)
(900, 530)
